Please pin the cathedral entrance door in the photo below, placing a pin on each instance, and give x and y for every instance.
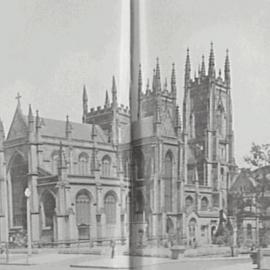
(83, 214)
(48, 220)
(170, 230)
(204, 235)
(192, 229)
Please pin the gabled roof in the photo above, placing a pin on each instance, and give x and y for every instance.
(53, 128)
(57, 129)
(244, 182)
(18, 127)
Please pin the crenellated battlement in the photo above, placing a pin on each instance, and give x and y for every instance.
(99, 110)
(196, 81)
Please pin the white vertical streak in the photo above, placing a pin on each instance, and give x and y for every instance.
(124, 75)
(135, 56)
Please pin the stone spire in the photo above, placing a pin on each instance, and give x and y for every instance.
(114, 92)
(30, 122)
(85, 104)
(107, 100)
(173, 81)
(158, 80)
(38, 121)
(62, 164)
(85, 100)
(148, 84)
(30, 115)
(227, 72)
(203, 67)
(187, 69)
(211, 65)
(68, 129)
(154, 81)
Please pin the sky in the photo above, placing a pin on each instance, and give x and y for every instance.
(49, 49)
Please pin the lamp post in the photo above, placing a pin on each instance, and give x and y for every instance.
(27, 194)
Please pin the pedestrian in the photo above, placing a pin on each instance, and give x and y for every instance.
(113, 248)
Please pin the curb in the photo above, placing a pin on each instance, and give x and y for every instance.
(100, 267)
(21, 264)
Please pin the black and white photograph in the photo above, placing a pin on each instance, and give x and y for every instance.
(134, 134)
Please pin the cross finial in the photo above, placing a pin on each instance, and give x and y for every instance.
(18, 97)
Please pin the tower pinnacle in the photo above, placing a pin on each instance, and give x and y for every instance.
(227, 73)
(187, 68)
(173, 80)
(203, 67)
(211, 66)
(114, 92)
(107, 100)
(158, 81)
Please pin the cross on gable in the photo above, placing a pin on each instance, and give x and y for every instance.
(18, 97)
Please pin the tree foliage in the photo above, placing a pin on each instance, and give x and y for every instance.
(259, 155)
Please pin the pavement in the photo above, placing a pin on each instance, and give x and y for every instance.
(51, 259)
(133, 262)
(121, 262)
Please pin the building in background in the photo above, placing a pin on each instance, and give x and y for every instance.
(249, 204)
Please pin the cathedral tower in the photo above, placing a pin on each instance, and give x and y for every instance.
(207, 118)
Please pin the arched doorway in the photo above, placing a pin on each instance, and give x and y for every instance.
(47, 207)
(83, 214)
(18, 176)
(213, 232)
(169, 226)
(192, 231)
(170, 230)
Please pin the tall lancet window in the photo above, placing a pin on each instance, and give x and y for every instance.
(221, 120)
(83, 164)
(110, 208)
(106, 166)
(168, 176)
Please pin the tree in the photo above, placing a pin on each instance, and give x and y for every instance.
(259, 155)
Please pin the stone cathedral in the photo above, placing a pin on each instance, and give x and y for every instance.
(157, 174)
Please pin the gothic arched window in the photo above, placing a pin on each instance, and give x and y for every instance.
(110, 209)
(83, 164)
(168, 181)
(188, 202)
(221, 120)
(83, 208)
(106, 166)
(204, 204)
